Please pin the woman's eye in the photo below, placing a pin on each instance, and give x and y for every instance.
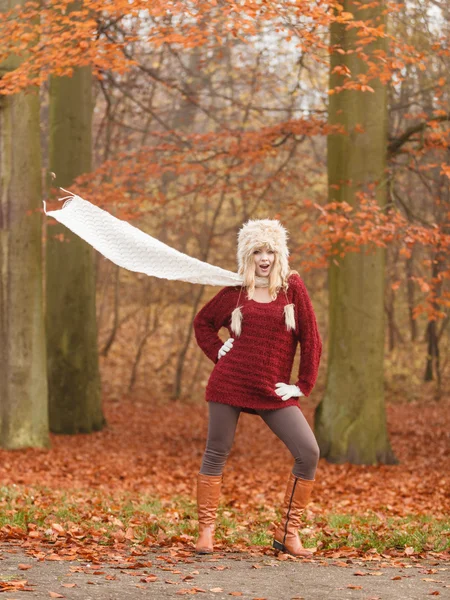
(257, 252)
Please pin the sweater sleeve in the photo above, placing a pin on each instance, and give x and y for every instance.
(214, 315)
(308, 336)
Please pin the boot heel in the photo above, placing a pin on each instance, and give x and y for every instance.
(279, 546)
(204, 551)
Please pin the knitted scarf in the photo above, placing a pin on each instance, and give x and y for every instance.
(134, 250)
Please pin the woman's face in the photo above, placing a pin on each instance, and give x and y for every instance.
(264, 259)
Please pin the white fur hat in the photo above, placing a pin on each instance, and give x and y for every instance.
(259, 233)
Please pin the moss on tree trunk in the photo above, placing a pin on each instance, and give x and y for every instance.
(350, 420)
(73, 370)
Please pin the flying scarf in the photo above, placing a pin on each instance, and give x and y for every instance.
(132, 249)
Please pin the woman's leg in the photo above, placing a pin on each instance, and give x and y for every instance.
(292, 428)
(223, 420)
(222, 425)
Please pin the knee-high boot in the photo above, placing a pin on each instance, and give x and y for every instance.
(297, 496)
(208, 494)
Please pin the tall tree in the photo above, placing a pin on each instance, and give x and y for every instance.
(23, 383)
(350, 420)
(73, 371)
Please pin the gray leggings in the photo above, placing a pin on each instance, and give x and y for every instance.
(287, 423)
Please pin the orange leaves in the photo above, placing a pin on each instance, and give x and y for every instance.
(424, 285)
(160, 468)
(358, 83)
(342, 70)
(15, 586)
(344, 17)
(210, 163)
(445, 170)
(55, 39)
(344, 229)
(367, 88)
(354, 587)
(58, 529)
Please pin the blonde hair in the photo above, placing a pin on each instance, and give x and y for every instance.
(276, 282)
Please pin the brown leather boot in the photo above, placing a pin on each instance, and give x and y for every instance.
(208, 493)
(296, 498)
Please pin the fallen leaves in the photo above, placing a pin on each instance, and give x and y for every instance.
(97, 462)
(58, 528)
(20, 585)
(149, 579)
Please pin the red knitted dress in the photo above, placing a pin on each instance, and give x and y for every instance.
(264, 352)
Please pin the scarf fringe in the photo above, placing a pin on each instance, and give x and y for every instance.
(236, 321)
(289, 317)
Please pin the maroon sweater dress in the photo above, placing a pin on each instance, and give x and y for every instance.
(264, 352)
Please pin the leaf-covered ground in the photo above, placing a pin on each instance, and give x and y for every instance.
(131, 486)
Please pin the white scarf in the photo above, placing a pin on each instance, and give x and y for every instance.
(132, 249)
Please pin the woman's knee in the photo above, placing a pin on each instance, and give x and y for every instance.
(213, 462)
(306, 461)
(312, 452)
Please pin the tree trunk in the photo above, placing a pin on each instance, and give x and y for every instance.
(433, 366)
(432, 359)
(350, 420)
(410, 296)
(73, 371)
(176, 392)
(23, 382)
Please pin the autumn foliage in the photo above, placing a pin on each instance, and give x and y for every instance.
(91, 496)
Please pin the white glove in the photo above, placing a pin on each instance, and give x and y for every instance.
(286, 391)
(226, 347)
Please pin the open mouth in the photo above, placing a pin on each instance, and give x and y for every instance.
(265, 268)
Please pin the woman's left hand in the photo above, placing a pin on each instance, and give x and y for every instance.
(286, 391)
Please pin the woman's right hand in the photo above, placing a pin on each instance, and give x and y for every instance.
(225, 348)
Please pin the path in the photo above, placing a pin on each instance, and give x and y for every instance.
(171, 574)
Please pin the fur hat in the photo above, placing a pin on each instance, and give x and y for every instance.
(259, 233)
(253, 236)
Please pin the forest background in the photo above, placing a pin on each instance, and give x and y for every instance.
(188, 118)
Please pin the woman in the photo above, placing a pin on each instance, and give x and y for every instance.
(252, 373)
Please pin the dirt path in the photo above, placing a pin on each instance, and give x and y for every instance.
(170, 574)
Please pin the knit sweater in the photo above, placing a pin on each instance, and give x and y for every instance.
(264, 352)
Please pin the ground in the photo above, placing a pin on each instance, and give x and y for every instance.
(114, 513)
(176, 572)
